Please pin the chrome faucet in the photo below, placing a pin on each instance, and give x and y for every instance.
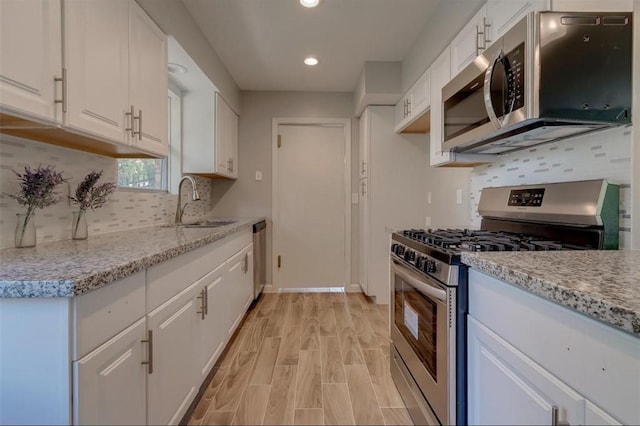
(195, 197)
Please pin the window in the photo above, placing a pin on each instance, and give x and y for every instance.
(156, 173)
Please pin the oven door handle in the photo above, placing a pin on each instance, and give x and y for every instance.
(423, 287)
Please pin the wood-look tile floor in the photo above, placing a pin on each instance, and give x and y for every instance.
(306, 358)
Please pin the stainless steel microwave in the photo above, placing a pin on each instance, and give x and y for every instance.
(553, 75)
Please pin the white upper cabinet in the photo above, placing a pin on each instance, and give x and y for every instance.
(210, 135)
(148, 81)
(363, 167)
(31, 46)
(97, 63)
(226, 139)
(592, 5)
(504, 14)
(469, 42)
(411, 110)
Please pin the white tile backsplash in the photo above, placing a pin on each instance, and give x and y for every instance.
(601, 155)
(126, 209)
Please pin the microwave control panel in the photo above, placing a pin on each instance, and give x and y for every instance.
(526, 197)
(514, 65)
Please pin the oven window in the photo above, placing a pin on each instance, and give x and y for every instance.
(465, 110)
(416, 317)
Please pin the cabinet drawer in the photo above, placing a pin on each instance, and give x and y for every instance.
(169, 278)
(103, 313)
(598, 361)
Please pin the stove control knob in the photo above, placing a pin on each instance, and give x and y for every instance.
(410, 255)
(420, 260)
(430, 266)
(394, 247)
(399, 250)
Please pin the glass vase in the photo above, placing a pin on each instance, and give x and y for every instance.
(79, 229)
(25, 230)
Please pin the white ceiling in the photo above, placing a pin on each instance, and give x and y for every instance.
(263, 42)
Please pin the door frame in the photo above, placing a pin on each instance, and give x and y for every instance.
(345, 123)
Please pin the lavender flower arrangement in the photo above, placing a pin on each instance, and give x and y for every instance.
(37, 188)
(92, 196)
(36, 192)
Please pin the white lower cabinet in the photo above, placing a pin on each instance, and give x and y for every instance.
(508, 388)
(113, 376)
(531, 361)
(133, 352)
(171, 383)
(240, 288)
(211, 326)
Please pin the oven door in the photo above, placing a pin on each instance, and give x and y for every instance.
(421, 334)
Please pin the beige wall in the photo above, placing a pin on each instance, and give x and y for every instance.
(246, 197)
(175, 20)
(447, 20)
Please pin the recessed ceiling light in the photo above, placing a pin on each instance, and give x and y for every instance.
(309, 3)
(311, 61)
(177, 68)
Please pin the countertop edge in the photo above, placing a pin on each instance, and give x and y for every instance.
(68, 288)
(578, 301)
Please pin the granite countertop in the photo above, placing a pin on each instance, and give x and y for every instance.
(604, 285)
(69, 268)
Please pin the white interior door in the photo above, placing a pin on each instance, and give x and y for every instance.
(310, 210)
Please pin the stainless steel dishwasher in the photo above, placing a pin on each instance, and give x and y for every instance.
(259, 257)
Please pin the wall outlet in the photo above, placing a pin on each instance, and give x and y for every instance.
(458, 196)
(258, 176)
(427, 221)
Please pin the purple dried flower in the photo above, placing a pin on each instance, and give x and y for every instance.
(90, 196)
(37, 188)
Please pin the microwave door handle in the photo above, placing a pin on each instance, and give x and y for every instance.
(488, 76)
(421, 286)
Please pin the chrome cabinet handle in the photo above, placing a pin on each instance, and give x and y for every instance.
(362, 185)
(408, 107)
(63, 80)
(231, 164)
(206, 300)
(202, 310)
(478, 46)
(149, 361)
(486, 28)
(555, 418)
(131, 116)
(139, 132)
(245, 267)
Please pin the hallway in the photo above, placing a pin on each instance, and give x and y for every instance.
(306, 358)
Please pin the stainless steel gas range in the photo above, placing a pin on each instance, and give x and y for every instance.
(429, 283)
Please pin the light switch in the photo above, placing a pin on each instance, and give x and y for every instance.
(459, 196)
(258, 176)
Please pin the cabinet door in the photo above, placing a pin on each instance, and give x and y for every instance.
(469, 42)
(148, 82)
(211, 333)
(222, 131)
(239, 285)
(506, 387)
(363, 165)
(97, 60)
(420, 95)
(110, 382)
(440, 75)
(363, 236)
(31, 46)
(232, 149)
(504, 14)
(400, 114)
(173, 383)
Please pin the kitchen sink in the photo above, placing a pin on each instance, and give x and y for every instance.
(208, 223)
